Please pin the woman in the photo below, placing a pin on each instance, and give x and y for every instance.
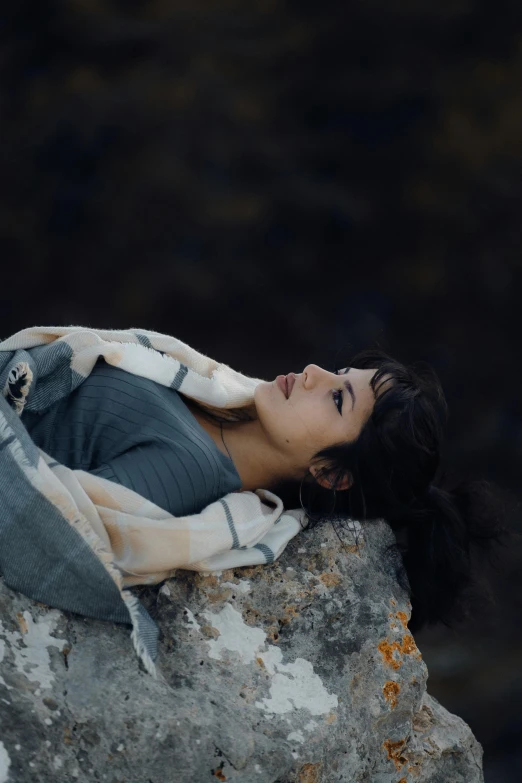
(366, 439)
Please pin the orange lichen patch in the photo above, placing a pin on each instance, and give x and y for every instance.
(402, 617)
(403, 780)
(393, 602)
(391, 690)
(205, 581)
(219, 774)
(67, 736)
(331, 718)
(309, 773)
(409, 647)
(21, 622)
(261, 662)
(330, 580)
(248, 572)
(215, 597)
(394, 750)
(387, 649)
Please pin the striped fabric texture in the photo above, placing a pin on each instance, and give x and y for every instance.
(78, 541)
(138, 433)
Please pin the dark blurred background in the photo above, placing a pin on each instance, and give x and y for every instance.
(274, 183)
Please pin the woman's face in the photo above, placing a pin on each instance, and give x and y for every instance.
(322, 409)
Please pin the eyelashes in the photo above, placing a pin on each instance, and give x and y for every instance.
(337, 394)
(338, 399)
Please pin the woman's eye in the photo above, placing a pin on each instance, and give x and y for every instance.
(337, 393)
(338, 399)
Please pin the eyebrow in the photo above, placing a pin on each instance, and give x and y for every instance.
(349, 389)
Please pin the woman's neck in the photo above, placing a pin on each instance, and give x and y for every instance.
(245, 443)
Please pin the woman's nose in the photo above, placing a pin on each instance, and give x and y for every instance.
(312, 374)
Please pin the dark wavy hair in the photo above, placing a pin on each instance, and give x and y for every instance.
(395, 465)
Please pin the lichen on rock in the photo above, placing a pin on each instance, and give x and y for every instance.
(300, 671)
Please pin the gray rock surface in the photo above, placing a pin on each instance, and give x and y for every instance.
(299, 672)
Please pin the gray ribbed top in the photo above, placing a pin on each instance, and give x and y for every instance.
(138, 433)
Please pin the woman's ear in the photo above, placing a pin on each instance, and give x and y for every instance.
(326, 479)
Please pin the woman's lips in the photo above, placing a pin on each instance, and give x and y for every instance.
(286, 383)
(281, 382)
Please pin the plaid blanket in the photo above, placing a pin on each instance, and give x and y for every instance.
(78, 542)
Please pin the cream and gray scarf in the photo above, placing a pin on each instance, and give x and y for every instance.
(78, 541)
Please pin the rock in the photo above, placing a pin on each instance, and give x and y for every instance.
(299, 672)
